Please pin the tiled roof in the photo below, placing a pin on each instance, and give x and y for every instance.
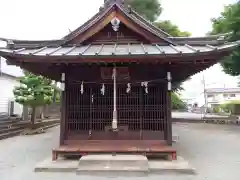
(117, 50)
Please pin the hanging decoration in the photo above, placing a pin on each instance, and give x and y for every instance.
(115, 24)
(128, 87)
(145, 84)
(103, 89)
(92, 98)
(82, 88)
(169, 78)
(63, 82)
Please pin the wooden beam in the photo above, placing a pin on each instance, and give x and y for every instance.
(85, 50)
(114, 49)
(147, 35)
(38, 50)
(95, 29)
(19, 50)
(192, 48)
(55, 50)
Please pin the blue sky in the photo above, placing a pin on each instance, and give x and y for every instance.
(52, 19)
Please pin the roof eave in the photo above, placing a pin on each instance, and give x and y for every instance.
(60, 59)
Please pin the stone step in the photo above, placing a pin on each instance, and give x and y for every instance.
(154, 166)
(115, 164)
(10, 134)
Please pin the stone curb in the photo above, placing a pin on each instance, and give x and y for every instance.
(209, 121)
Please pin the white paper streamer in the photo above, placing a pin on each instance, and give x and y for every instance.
(82, 88)
(128, 87)
(103, 89)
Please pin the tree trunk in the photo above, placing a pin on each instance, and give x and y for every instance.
(25, 113)
(55, 93)
(33, 116)
(54, 96)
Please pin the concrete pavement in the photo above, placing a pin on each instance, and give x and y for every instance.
(212, 149)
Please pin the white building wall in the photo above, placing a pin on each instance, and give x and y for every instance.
(221, 98)
(7, 85)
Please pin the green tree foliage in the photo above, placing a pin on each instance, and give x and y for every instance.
(177, 103)
(34, 91)
(171, 29)
(229, 22)
(150, 9)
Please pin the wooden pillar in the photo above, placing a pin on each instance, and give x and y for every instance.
(63, 110)
(169, 109)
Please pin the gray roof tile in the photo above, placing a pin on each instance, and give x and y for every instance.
(118, 49)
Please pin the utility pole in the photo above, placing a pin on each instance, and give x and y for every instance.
(205, 95)
(0, 66)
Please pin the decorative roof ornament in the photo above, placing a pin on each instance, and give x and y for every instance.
(115, 23)
(109, 2)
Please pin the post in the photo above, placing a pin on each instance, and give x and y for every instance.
(169, 109)
(63, 109)
(205, 96)
(114, 122)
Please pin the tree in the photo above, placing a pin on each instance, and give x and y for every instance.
(149, 9)
(34, 91)
(177, 103)
(171, 29)
(229, 22)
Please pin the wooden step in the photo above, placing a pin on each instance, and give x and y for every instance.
(9, 120)
(10, 134)
(14, 124)
(6, 130)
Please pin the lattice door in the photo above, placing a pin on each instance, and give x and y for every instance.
(140, 115)
(78, 111)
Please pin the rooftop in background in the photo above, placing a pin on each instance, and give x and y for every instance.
(12, 71)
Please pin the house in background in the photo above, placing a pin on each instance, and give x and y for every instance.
(217, 96)
(8, 80)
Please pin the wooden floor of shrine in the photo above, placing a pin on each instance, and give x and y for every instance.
(148, 148)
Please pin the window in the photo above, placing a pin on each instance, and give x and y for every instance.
(232, 95)
(210, 95)
(225, 95)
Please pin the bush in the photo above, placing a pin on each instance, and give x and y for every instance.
(177, 103)
(230, 107)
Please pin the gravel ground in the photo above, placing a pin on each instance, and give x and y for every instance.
(214, 150)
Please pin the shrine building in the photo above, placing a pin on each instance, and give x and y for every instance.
(116, 73)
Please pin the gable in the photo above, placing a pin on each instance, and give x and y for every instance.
(108, 36)
(129, 27)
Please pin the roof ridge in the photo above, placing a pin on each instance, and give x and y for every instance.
(109, 2)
